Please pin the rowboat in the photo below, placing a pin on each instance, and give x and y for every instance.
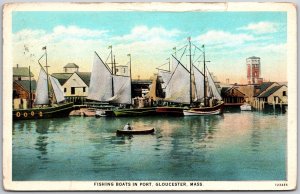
(135, 132)
(200, 113)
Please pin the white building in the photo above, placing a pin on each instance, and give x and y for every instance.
(122, 70)
(77, 84)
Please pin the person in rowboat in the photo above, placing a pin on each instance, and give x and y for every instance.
(127, 127)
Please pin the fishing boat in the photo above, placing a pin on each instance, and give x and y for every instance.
(49, 98)
(176, 87)
(203, 84)
(246, 107)
(107, 86)
(135, 132)
(189, 90)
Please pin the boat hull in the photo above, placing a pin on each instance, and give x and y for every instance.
(215, 110)
(62, 110)
(134, 112)
(170, 111)
(135, 132)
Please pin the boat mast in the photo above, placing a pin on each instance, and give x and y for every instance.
(112, 70)
(30, 105)
(111, 59)
(204, 74)
(129, 55)
(45, 48)
(191, 98)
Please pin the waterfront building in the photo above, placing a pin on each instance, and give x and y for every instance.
(71, 68)
(140, 87)
(275, 95)
(232, 96)
(122, 70)
(249, 91)
(75, 85)
(21, 73)
(21, 87)
(265, 86)
(62, 77)
(21, 93)
(253, 70)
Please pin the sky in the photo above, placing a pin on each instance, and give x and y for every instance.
(229, 38)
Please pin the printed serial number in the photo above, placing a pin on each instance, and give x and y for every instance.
(281, 184)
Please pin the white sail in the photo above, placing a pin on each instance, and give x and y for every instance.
(58, 90)
(41, 94)
(100, 88)
(199, 83)
(122, 90)
(164, 77)
(212, 86)
(178, 87)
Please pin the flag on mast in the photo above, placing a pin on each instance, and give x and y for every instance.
(44, 48)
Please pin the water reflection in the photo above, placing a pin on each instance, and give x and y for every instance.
(182, 148)
(42, 127)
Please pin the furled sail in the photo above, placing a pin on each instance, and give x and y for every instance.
(42, 89)
(100, 88)
(178, 87)
(57, 89)
(199, 84)
(122, 90)
(212, 86)
(152, 91)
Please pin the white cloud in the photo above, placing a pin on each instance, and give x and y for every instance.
(77, 32)
(222, 38)
(142, 33)
(261, 27)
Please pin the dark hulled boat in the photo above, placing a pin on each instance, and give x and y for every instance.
(56, 111)
(135, 132)
(147, 111)
(190, 87)
(43, 108)
(170, 111)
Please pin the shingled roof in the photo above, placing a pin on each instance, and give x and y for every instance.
(25, 84)
(62, 77)
(262, 87)
(85, 76)
(21, 72)
(269, 92)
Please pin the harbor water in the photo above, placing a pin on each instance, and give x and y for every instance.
(233, 146)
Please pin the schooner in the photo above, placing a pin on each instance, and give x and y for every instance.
(49, 98)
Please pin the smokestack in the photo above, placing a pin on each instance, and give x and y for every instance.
(17, 65)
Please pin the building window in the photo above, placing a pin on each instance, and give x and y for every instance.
(83, 89)
(19, 78)
(65, 89)
(72, 90)
(124, 70)
(284, 93)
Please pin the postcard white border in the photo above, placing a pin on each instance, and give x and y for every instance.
(154, 6)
